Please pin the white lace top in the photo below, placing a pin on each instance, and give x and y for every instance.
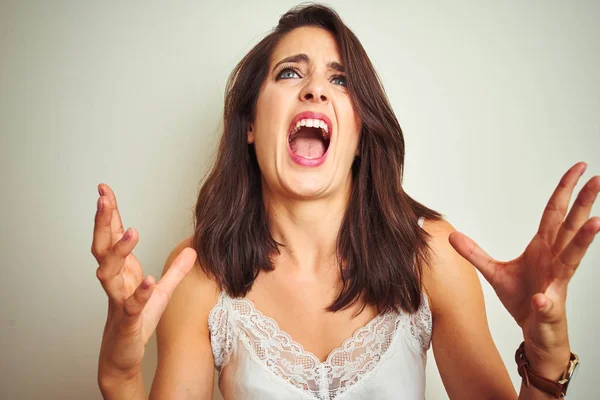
(385, 359)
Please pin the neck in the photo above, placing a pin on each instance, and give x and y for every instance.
(308, 229)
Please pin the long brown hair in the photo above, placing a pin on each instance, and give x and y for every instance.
(383, 249)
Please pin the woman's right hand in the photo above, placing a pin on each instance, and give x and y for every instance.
(135, 302)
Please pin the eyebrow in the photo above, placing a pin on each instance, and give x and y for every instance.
(298, 58)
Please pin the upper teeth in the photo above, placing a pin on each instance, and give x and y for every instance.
(312, 123)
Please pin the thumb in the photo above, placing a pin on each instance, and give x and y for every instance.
(467, 248)
(543, 306)
(137, 301)
(175, 273)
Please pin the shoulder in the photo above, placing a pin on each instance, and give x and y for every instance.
(465, 353)
(191, 301)
(194, 297)
(196, 286)
(185, 360)
(197, 275)
(439, 232)
(448, 273)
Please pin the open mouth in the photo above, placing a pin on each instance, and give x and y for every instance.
(309, 138)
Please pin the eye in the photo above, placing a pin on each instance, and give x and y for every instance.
(340, 80)
(288, 73)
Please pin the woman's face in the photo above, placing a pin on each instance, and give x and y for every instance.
(305, 86)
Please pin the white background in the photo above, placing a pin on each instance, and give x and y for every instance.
(496, 100)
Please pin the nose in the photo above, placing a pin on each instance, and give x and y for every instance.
(315, 90)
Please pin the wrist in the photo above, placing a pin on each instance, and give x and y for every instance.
(111, 380)
(548, 350)
(551, 363)
(547, 375)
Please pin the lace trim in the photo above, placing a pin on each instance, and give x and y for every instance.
(419, 327)
(221, 334)
(346, 365)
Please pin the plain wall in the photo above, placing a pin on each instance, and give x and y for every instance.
(496, 99)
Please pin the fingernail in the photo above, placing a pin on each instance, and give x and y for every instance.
(126, 236)
(100, 205)
(145, 284)
(100, 191)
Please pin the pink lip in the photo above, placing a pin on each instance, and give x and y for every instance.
(315, 162)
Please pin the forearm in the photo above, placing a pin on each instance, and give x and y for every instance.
(122, 388)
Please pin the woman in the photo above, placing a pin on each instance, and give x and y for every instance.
(317, 276)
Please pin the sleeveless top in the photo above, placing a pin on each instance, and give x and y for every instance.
(255, 359)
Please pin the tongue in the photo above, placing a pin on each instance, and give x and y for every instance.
(307, 147)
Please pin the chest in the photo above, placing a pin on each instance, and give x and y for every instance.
(257, 360)
(299, 308)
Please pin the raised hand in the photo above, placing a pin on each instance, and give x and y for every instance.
(533, 287)
(135, 302)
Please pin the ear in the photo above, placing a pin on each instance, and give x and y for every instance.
(250, 134)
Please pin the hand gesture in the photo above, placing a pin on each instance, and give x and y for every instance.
(533, 287)
(135, 302)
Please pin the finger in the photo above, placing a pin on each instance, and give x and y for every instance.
(138, 300)
(102, 239)
(114, 260)
(557, 206)
(571, 256)
(178, 269)
(116, 223)
(580, 212)
(467, 248)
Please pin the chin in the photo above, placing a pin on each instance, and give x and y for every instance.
(305, 187)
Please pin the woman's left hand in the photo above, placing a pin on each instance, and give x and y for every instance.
(533, 287)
